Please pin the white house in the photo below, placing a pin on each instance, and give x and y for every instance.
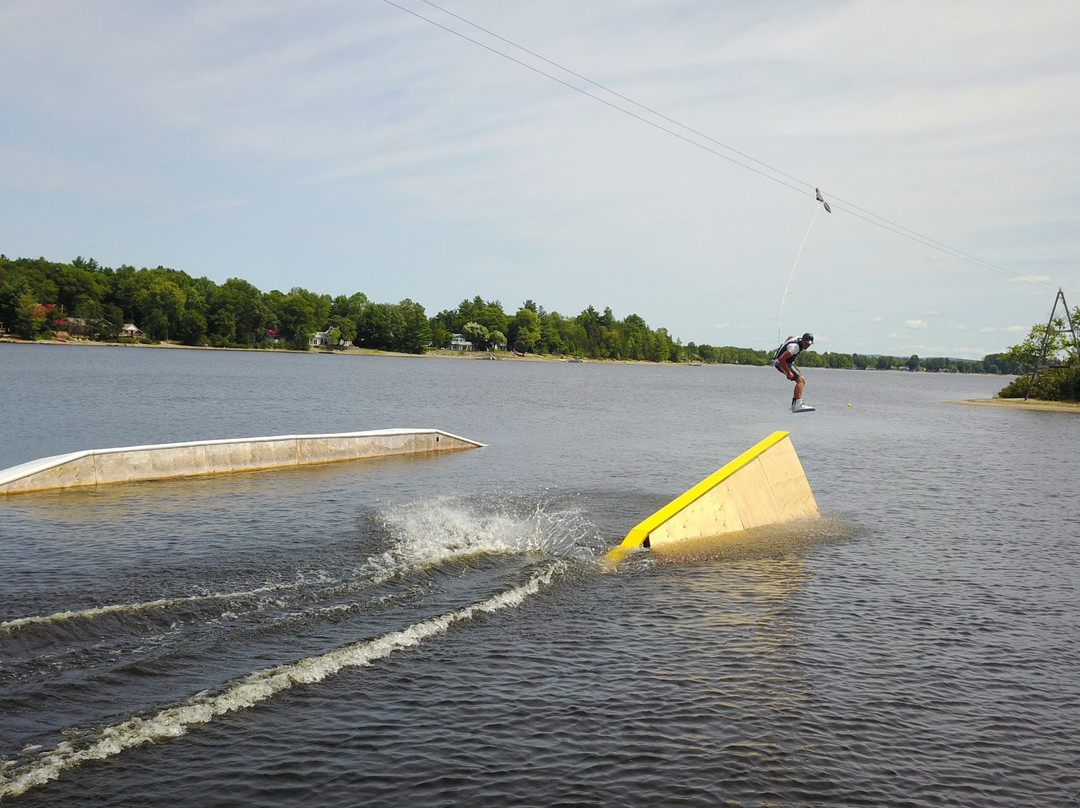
(131, 330)
(459, 343)
(321, 339)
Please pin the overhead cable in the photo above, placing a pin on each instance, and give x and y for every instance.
(758, 167)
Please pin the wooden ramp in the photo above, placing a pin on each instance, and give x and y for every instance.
(765, 485)
(131, 463)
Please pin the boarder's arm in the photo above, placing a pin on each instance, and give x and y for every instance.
(784, 363)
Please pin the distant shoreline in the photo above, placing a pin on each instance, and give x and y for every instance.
(446, 353)
(436, 353)
(1020, 404)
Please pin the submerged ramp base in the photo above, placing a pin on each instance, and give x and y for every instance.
(765, 485)
(130, 463)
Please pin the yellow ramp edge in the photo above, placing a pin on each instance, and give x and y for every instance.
(765, 485)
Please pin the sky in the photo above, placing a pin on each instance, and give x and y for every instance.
(658, 157)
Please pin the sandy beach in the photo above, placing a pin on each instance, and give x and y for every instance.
(1021, 404)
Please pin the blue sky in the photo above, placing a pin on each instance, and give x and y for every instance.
(350, 146)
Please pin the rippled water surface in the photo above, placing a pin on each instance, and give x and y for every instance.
(438, 630)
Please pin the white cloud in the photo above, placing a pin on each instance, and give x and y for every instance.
(916, 323)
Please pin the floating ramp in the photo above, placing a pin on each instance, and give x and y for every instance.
(765, 485)
(131, 463)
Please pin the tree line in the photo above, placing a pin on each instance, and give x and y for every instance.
(992, 363)
(39, 298)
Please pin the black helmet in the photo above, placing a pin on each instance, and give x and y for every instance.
(807, 337)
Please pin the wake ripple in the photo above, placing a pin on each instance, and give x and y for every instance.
(252, 689)
(426, 534)
(11, 626)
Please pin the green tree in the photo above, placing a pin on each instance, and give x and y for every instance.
(551, 335)
(123, 290)
(589, 320)
(239, 314)
(493, 317)
(347, 312)
(524, 330)
(414, 334)
(297, 319)
(636, 336)
(374, 328)
(79, 286)
(28, 320)
(476, 334)
(1059, 379)
(345, 327)
(440, 334)
(159, 303)
(191, 329)
(1058, 345)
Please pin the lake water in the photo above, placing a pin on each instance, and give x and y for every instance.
(437, 631)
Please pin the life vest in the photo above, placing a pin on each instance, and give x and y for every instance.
(782, 348)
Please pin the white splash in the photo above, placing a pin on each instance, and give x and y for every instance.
(424, 534)
(447, 529)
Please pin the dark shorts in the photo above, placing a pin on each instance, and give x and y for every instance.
(794, 370)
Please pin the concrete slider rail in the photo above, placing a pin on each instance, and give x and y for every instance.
(131, 463)
(765, 485)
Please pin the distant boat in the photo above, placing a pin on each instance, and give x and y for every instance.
(576, 359)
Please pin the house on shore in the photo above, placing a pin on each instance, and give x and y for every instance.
(321, 339)
(131, 330)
